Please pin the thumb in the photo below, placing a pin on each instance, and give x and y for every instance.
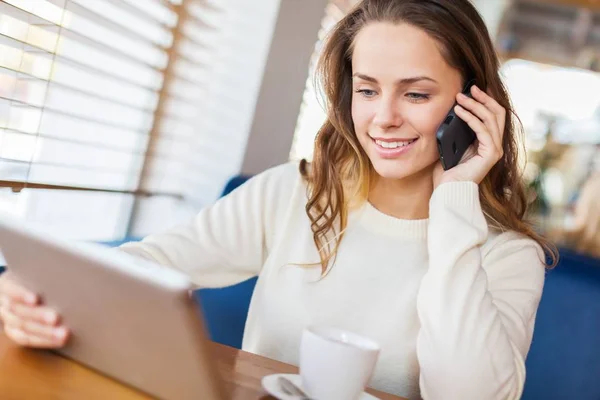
(470, 152)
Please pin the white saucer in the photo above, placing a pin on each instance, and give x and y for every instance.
(270, 384)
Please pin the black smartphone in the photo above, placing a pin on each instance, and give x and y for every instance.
(454, 136)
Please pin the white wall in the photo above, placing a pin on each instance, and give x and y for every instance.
(284, 81)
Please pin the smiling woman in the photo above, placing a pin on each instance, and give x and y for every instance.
(396, 113)
(391, 72)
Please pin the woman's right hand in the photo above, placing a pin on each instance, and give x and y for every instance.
(26, 321)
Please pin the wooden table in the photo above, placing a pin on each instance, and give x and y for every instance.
(39, 374)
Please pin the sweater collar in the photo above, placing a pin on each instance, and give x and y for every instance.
(376, 221)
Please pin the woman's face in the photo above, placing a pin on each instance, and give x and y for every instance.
(402, 90)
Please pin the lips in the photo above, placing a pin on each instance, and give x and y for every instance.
(392, 148)
(393, 143)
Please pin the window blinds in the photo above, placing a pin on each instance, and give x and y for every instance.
(79, 85)
(119, 95)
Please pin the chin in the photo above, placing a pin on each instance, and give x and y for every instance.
(401, 169)
(393, 169)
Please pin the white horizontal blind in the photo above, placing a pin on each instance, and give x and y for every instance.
(79, 86)
(207, 106)
(157, 95)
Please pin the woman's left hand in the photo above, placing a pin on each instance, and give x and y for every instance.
(487, 118)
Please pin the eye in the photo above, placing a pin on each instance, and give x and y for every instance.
(417, 97)
(366, 92)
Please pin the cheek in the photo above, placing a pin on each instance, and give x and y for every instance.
(426, 120)
(361, 117)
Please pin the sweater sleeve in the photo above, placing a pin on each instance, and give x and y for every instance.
(229, 241)
(477, 302)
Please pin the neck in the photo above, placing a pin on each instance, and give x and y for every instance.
(406, 198)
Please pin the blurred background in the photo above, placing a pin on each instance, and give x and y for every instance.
(119, 118)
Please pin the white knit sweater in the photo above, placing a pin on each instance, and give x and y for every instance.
(452, 305)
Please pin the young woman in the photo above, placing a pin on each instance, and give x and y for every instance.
(374, 236)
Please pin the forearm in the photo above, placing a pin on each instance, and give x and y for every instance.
(472, 341)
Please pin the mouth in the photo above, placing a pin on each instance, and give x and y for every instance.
(393, 148)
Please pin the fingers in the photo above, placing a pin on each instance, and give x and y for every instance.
(483, 135)
(489, 112)
(43, 315)
(480, 111)
(26, 322)
(23, 338)
(490, 103)
(498, 111)
(15, 292)
(33, 330)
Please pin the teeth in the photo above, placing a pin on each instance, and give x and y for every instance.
(393, 145)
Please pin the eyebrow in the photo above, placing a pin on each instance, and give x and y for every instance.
(404, 81)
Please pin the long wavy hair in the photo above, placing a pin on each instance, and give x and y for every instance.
(339, 176)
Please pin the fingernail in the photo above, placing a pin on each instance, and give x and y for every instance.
(30, 298)
(462, 95)
(60, 333)
(50, 317)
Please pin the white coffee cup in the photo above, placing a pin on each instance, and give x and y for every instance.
(336, 364)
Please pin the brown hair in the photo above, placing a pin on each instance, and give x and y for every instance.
(340, 175)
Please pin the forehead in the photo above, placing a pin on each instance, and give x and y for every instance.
(400, 50)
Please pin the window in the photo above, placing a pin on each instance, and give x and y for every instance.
(560, 111)
(79, 85)
(124, 96)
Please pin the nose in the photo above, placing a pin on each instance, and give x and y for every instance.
(388, 114)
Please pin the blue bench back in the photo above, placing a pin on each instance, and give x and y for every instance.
(225, 309)
(564, 360)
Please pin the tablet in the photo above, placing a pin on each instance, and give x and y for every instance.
(130, 319)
